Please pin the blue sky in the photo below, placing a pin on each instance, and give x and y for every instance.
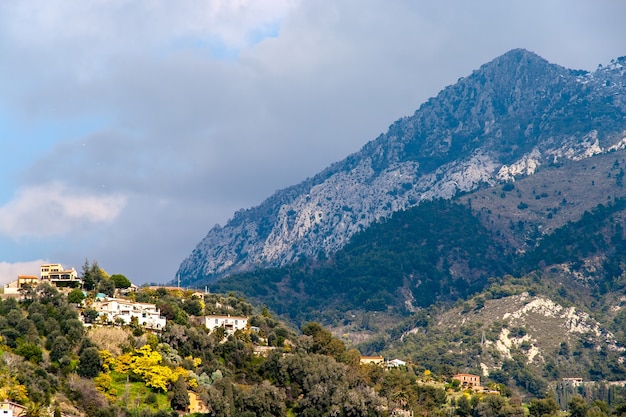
(130, 128)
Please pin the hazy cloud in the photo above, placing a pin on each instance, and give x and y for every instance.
(54, 209)
(10, 271)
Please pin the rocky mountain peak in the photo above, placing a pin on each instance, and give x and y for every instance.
(508, 118)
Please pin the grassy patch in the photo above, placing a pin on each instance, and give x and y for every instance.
(136, 395)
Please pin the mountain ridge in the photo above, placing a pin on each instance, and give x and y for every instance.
(507, 119)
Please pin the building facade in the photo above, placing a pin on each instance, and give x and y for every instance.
(23, 281)
(59, 276)
(229, 323)
(117, 310)
(468, 380)
(376, 360)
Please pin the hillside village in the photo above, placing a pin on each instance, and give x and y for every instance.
(154, 349)
(116, 309)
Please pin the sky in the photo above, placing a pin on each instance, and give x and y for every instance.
(128, 129)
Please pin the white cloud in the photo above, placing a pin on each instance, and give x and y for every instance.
(54, 209)
(10, 270)
(128, 23)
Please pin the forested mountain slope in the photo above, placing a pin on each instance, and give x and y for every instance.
(437, 251)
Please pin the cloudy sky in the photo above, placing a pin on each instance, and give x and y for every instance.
(129, 128)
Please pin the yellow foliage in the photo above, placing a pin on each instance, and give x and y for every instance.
(14, 392)
(146, 364)
(108, 361)
(104, 385)
(158, 377)
(123, 363)
(179, 372)
(177, 293)
(144, 359)
(103, 382)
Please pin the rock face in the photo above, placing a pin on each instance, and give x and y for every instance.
(532, 327)
(507, 119)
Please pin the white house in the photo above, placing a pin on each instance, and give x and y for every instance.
(230, 323)
(117, 309)
(395, 363)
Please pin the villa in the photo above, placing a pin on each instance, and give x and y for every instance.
(117, 310)
(59, 276)
(230, 323)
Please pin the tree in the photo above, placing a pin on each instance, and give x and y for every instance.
(59, 348)
(34, 409)
(92, 275)
(490, 406)
(146, 364)
(264, 400)
(89, 282)
(167, 310)
(90, 363)
(121, 281)
(180, 397)
(31, 352)
(464, 407)
(544, 407)
(76, 296)
(577, 407)
(193, 307)
(107, 286)
(323, 341)
(90, 315)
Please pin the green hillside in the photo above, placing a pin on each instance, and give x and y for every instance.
(435, 252)
(51, 365)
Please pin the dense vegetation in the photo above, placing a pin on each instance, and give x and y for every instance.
(50, 362)
(437, 251)
(599, 233)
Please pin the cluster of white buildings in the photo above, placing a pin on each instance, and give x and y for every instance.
(124, 312)
(117, 310)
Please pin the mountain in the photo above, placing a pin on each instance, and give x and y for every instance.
(442, 284)
(513, 117)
